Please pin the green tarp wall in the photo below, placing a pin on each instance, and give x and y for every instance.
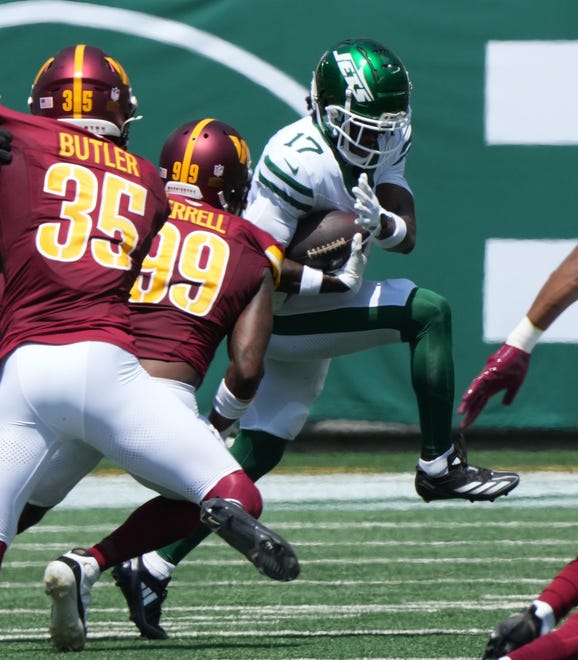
(249, 63)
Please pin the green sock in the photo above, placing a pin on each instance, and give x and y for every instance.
(258, 453)
(429, 332)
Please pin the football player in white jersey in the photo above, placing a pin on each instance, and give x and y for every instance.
(349, 154)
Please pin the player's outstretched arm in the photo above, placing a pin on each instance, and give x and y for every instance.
(506, 369)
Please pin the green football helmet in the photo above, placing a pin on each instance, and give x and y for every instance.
(360, 98)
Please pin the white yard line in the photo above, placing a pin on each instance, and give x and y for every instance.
(355, 490)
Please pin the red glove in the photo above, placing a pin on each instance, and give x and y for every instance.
(504, 370)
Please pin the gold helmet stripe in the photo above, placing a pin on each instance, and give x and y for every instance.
(188, 155)
(77, 81)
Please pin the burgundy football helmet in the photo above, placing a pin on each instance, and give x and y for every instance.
(84, 86)
(209, 160)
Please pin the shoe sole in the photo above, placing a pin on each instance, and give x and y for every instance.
(66, 627)
(129, 583)
(267, 551)
(487, 496)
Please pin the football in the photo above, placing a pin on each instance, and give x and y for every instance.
(323, 239)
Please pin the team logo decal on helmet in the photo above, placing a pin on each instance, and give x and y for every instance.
(84, 86)
(356, 84)
(209, 160)
(360, 97)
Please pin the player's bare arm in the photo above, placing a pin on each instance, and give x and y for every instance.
(506, 369)
(559, 291)
(247, 345)
(292, 276)
(304, 280)
(398, 200)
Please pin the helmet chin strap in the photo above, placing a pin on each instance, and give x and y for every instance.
(347, 104)
(315, 102)
(222, 200)
(124, 131)
(347, 108)
(130, 120)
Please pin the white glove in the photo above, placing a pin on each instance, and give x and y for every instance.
(351, 273)
(367, 206)
(369, 214)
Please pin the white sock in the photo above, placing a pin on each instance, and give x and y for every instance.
(437, 467)
(157, 566)
(546, 613)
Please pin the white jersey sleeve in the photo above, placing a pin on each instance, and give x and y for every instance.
(298, 172)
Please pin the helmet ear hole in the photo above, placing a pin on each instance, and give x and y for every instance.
(209, 160)
(83, 85)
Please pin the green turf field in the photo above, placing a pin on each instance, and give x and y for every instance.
(379, 579)
(380, 459)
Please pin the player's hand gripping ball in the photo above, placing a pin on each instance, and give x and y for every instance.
(323, 239)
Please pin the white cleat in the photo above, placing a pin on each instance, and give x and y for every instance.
(68, 581)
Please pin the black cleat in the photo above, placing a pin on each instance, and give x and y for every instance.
(516, 631)
(144, 594)
(465, 481)
(267, 551)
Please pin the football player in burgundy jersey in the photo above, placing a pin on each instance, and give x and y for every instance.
(206, 164)
(78, 216)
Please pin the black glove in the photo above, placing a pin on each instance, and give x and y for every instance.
(5, 148)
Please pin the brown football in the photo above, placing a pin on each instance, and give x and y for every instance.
(323, 239)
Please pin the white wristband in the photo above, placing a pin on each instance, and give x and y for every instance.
(525, 335)
(226, 403)
(398, 233)
(311, 280)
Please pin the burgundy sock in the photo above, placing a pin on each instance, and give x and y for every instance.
(156, 523)
(562, 593)
(3, 547)
(238, 486)
(161, 521)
